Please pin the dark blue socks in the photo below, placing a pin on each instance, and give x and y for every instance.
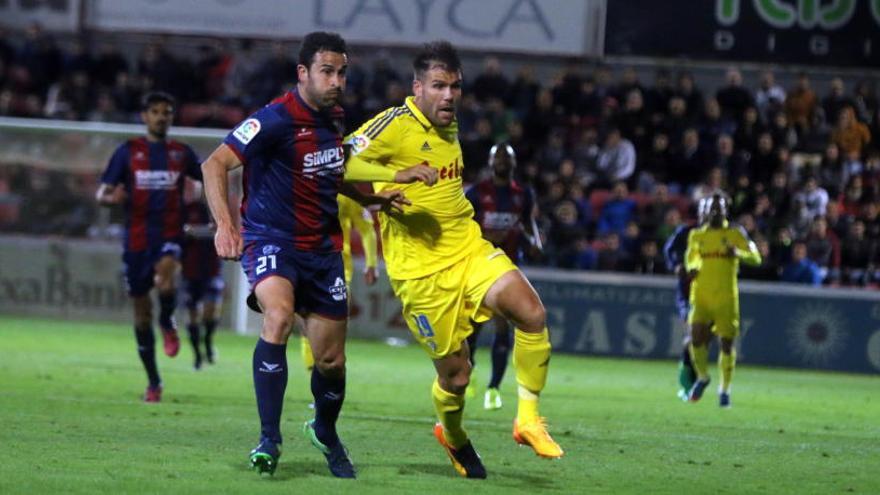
(329, 393)
(500, 355)
(270, 381)
(167, 302)
(146, 342)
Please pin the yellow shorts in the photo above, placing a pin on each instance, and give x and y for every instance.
(720, 313)
(439, 308)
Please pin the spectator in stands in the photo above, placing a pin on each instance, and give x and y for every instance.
(105, 109)
(671, 221)
(853, 197)
(523, 92)
(857, 255)
(765, 162)
(871, 218)
(866, 103)
(693, 97)
(109, 65)
(491, 83)
(712, 183)
(823, 247)
(742, 196)
(689, 163)
(565, 229)
(715, 123)
(779, 196)
(610, 257)
(850, 135)
(770, 96)
(837, 222)
(676, 120)
(617, 212)
(814, 199)
(634, 121)
(767, 271)
(616, 160)
(657, 97)
(654, 211)
(800, 104)
(654, 166)
(733, 163)
(649, 261)
(734, 98)
(836, 99)
(748, 130)
(801, 269)
(784, 134)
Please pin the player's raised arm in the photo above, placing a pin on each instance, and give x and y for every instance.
(215, 173)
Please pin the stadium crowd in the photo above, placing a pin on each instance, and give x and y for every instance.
(617, 163)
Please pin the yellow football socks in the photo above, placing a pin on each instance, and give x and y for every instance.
(726, 363)
(305, 350)
(531, 355)
(700, 360)
(449, 409)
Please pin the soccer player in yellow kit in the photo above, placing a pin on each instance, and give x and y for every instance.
(351, 215)
(712, 259)
(441, 268)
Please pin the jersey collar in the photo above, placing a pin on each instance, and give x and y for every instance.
(450, 130)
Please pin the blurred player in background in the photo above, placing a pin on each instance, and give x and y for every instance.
(202, 280)
(351, 216)
(712, 260)
(290, 240)
(506, 212)
(674, 251)
(442, 270)
(146, 176)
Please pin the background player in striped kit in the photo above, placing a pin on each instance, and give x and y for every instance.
(146, 176)
(506, 212)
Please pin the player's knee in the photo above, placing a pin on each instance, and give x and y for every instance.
(332, 366)
(534, 317)
(277, 323)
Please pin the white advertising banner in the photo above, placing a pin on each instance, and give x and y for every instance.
(53, 15)
(571, 27)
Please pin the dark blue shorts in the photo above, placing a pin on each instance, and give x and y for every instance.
(203, 290)
(139, 267)
(318, 279)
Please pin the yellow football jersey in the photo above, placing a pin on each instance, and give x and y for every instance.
(438, 229)
(709, 252)
(353, 215)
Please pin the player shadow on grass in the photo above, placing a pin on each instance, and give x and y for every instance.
(502, 476)
(289, 469)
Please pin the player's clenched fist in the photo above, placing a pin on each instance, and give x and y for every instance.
(421, 172)
(228, 243)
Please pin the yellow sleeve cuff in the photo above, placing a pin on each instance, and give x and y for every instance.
(358, 170)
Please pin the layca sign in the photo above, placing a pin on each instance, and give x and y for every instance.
(542, 26)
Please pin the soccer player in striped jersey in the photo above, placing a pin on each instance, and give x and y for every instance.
(290, 239)
(712, 260)
(202, 281)
(146, 177)
(506, 212)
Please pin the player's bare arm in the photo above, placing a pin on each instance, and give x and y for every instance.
(388, 201)
(215, 170)
(110, 195)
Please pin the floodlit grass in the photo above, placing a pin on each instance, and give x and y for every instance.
(71, 421)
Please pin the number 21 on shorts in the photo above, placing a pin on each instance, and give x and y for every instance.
(264, 263)
(424, 326)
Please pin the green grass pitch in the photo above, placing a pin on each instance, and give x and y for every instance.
(71, 421)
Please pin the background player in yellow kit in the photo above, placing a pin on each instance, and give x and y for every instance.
(351, 215)
(441, 268)
(712, 259)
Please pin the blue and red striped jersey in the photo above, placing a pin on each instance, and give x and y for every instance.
(200, 261)
(502, 212)
(293, 166)
(153, 174)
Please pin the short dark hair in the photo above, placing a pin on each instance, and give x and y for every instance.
(320, 41)
(154, 97)
(440, 53)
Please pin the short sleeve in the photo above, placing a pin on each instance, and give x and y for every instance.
(116, 169)
(257, 133)
(193, 164)
(376, 140)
